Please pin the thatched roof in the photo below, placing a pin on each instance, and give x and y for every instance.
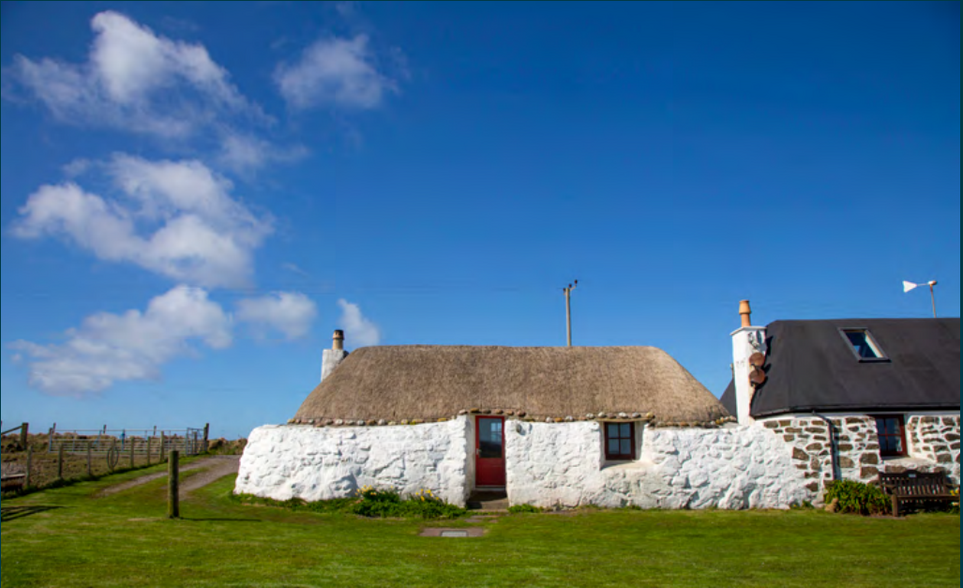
(428, 382)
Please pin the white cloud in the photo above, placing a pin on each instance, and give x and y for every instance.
(138, 81)
(294, 268)
(108, 348)
(131, 61)
(358, 330)
(288, 312)
(76, 167)
(334, 72)
(65, 209)
(178, 219)
(244, 153)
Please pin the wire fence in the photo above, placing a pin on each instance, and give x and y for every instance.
(38, 460)
(189, 441)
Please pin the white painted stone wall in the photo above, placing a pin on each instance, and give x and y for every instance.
(283, 462)
(807, 436)
(936, 438)
(562, 465)
(330, 359)
(745, 342)
(932, 445)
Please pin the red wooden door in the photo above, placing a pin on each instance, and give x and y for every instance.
(489, 451)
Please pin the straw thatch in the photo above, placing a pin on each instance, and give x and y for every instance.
(379, 385)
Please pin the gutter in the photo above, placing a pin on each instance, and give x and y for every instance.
(833, 449)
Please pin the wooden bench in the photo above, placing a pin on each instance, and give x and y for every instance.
(12, 482)
(916, 487)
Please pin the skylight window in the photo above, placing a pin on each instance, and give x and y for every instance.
(863, 345)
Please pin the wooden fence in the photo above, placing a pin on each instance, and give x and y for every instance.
(190, 441)
(76, 453)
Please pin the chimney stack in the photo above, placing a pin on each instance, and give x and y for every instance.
(330, 358)
(746, 340)
(744, 312)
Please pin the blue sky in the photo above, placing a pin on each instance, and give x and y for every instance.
(195, 195)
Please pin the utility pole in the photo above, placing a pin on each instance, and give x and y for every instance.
(568, 311)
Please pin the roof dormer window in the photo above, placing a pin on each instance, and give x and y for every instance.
(863, 345)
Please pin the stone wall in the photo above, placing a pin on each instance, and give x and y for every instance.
(933, 444)
(282, 462)
(858, 448)
(562, 465)
(772, 463)
(936, 438)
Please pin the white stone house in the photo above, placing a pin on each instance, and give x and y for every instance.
(619, 426)
(852, 397)
(565, 426)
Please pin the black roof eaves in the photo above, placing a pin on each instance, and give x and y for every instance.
(854, 408)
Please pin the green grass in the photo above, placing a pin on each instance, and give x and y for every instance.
(123, 540)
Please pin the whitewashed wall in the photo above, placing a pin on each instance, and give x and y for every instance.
(769, 464)
(562, 465)
(283, 462)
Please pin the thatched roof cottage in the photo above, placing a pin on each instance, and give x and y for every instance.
(568, 426)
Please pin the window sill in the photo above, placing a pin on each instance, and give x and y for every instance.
(633, 464)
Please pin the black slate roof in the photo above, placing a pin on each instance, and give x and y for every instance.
(811, 367)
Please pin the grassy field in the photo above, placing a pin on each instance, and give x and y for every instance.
(66, 537)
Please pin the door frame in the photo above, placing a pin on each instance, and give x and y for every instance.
(477, 453)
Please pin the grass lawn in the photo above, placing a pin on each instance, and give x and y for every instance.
(66, 537)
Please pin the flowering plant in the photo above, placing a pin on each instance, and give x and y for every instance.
(426, 495)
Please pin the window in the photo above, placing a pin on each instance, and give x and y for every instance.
(863, 345)
(889, 429)
(619, 441)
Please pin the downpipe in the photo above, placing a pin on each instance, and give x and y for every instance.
(833, 448)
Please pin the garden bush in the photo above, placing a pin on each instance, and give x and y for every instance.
(856, 497)
(371, 502)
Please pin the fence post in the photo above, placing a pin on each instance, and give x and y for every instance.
(24, 429)
(149, 439)
(173, 505)
(50, 438)
(132, 453)
(26, 481)
(207, 429)
(90, 470)
(162, 447)
(60, 462)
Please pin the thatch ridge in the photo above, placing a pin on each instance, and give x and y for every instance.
(429, 382)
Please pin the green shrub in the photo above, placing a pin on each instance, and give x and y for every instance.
(370, 502)
(524, 509)
(856, 497)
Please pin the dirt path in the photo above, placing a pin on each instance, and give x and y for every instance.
(217, 466)
(221, 465)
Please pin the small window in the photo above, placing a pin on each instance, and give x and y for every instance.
(892, 440)
(619, 441)
(863, 345)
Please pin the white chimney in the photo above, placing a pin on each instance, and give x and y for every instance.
(330, 358)
(746, 340)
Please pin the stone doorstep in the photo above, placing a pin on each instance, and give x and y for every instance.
(483, 518)
(488, 502)
(455, 532)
